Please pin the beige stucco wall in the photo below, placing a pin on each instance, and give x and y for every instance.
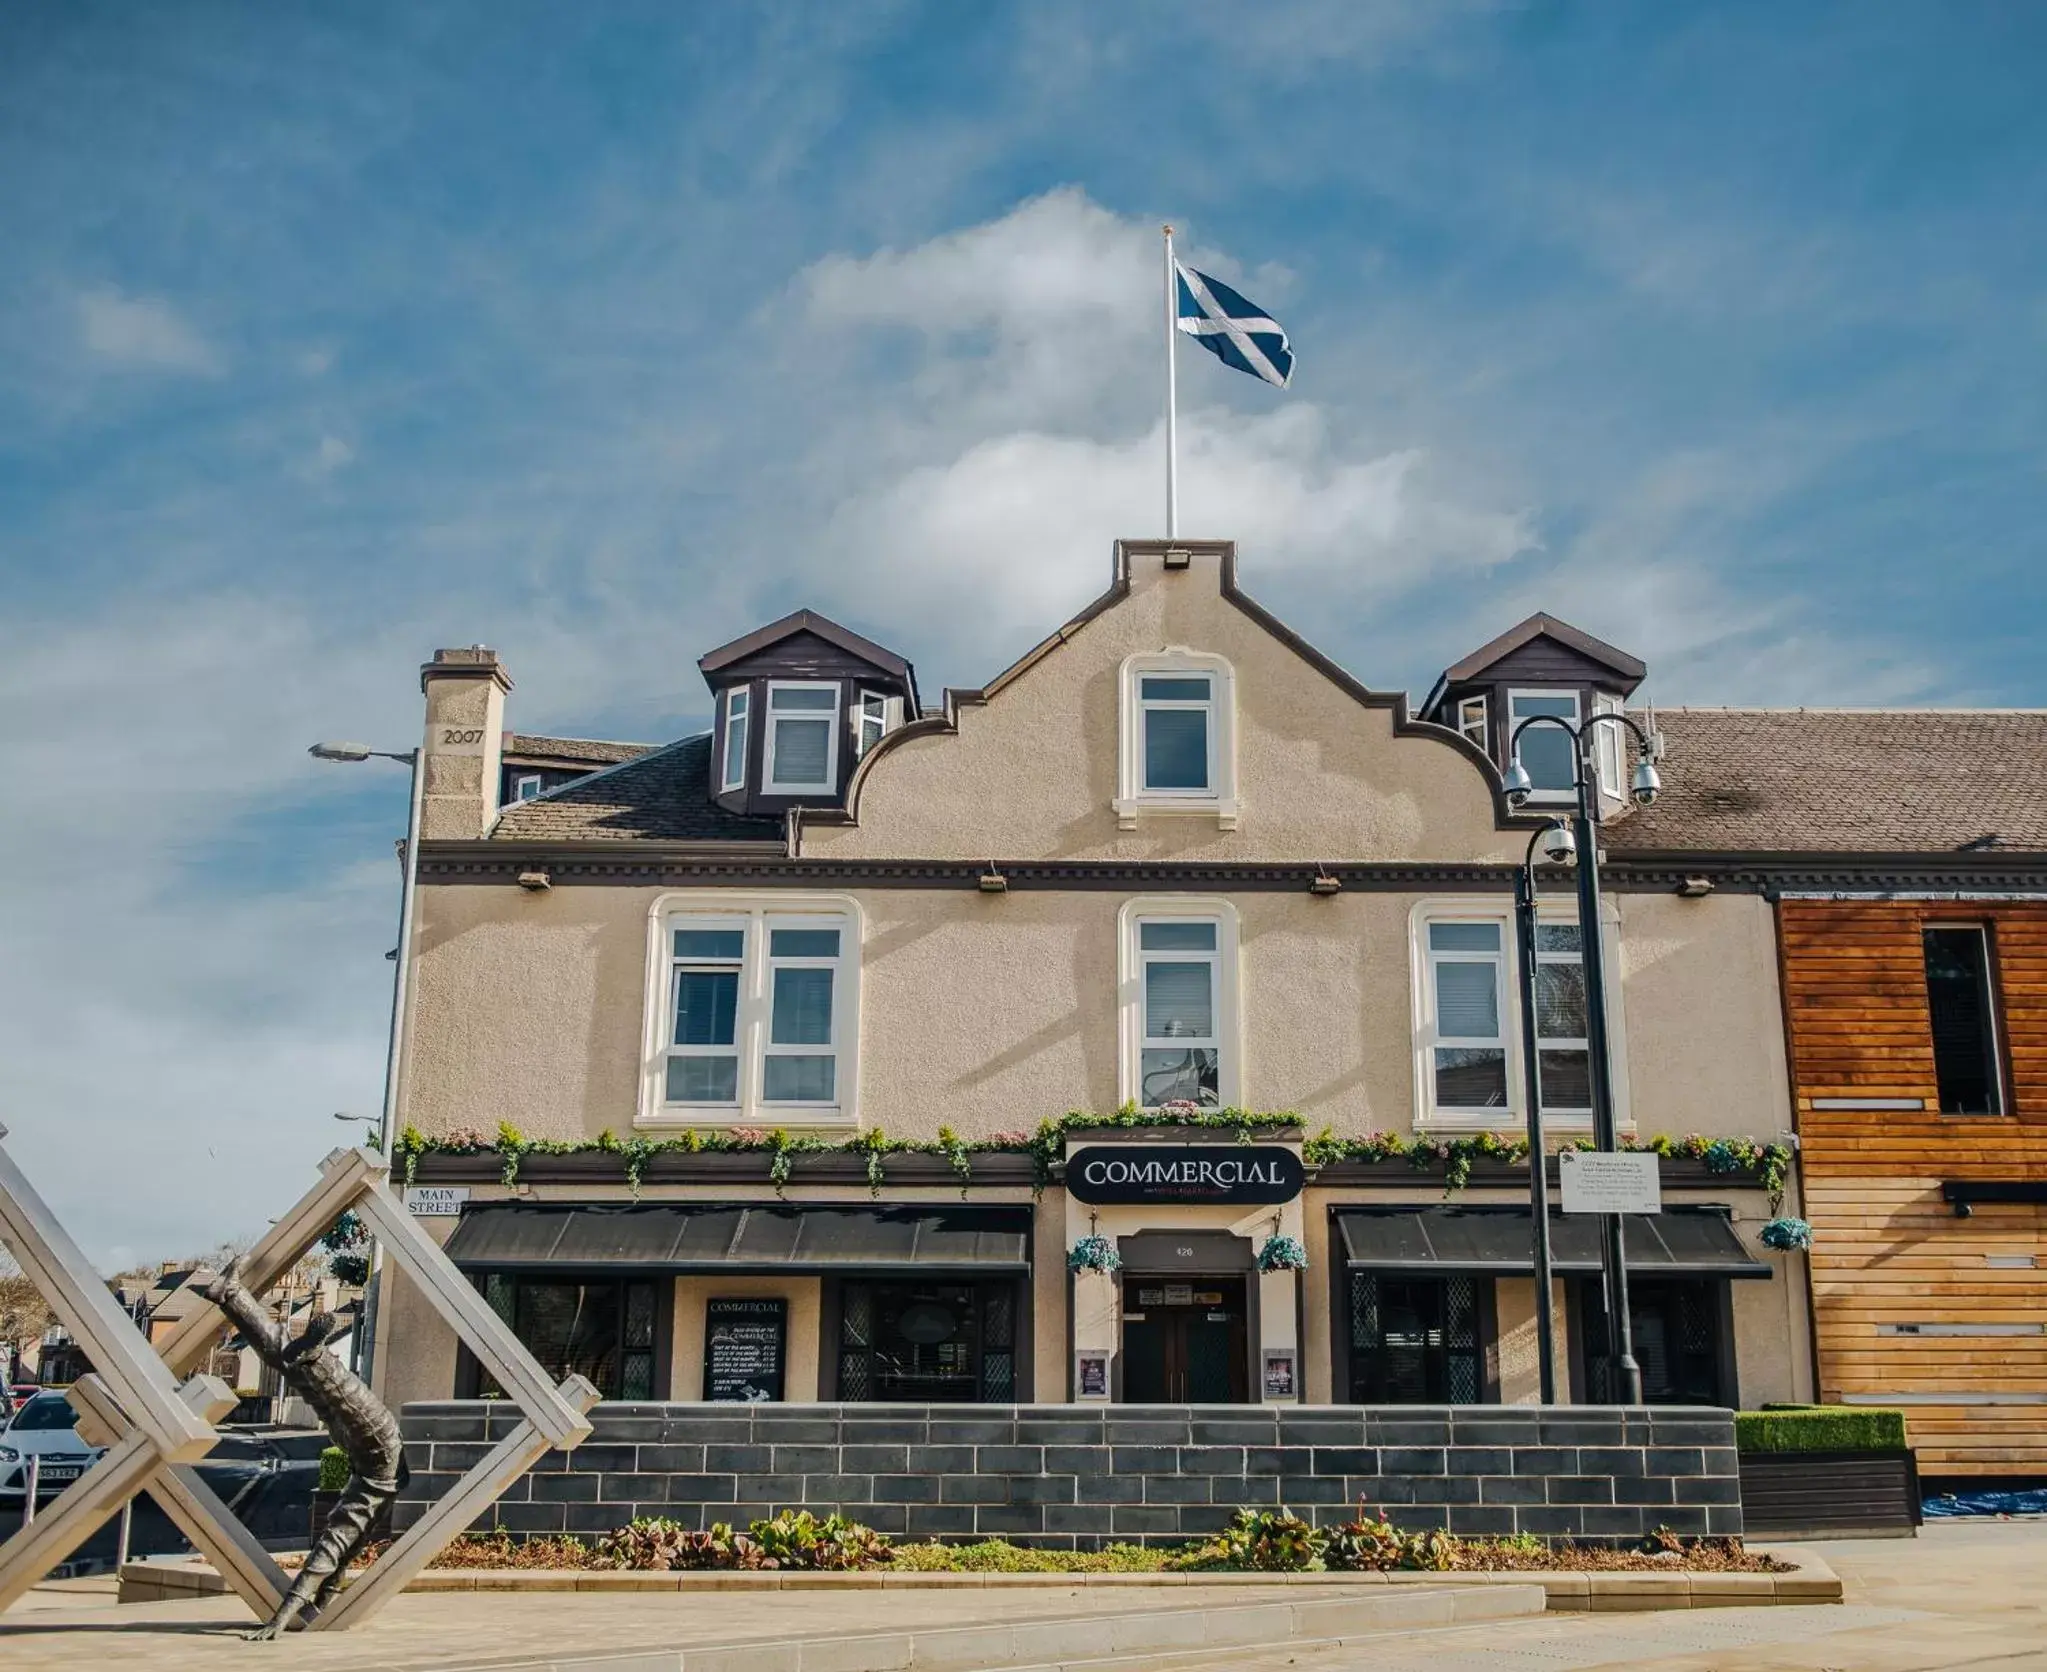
(992, 1012)
(416, 1348)
(1703, 1016)
(804, 1295)
(1033, 772)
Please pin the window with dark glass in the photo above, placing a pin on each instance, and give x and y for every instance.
(1174, 712)
(1675, 1325)
(1181, 1057)
(1548, 752)
(1961, 1005)
(602, 1329)
(1564, 1057)
(927, 1342)
(1415, 1340)
(1467, 977)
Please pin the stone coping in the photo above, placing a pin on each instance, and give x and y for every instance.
(1810, 1581)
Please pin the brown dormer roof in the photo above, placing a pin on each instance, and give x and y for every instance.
(1629, 671)
(805, 621)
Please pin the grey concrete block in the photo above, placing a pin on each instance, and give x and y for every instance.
(1580, 1489)
(974, 1489)
(670, 1458)
(561, 1489)
(748, 1459)
(941, 1460)
(1177, 1489)
(1344, 1460)
(1623, 1462)
(1278, 1460)
(1076, 1460)
(1479, 1460)
(805, 1460)
(1042, 1489)
(1546, 1460)
(1139, 1520)
(775, 1489)
(822, 1491)
(1410, 1460)
(1511, 1489)
(1652, 1489)
(1145, 1460)
(1675, 1460)
(874, 1459)
(1000, 1520)
(1482, 1520)
(1009, 1459)
(940, 1520)
(906, 1489)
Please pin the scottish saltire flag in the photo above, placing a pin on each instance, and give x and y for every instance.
(1235, 331)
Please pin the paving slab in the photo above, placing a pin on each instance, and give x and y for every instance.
(870, 1630)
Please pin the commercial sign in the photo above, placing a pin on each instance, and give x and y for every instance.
(1109, 1174)
(744, 1342)
(1597, 1181)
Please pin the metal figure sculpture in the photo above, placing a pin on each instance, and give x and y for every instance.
(354, 1416)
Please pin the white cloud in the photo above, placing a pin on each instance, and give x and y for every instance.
(142, 332)
(331, 455)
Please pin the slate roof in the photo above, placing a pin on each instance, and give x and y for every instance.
(661, 795)
(1846, 780)
(571, 751)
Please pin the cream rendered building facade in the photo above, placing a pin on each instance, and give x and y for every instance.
(1042, 898)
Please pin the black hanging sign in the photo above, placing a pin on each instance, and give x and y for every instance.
(1113, 1174)
(744, 1349)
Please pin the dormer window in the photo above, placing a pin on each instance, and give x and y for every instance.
(526, 786)
(1546, 751)
(1471, 720)
(1179, 738)
(870, 722)
(803, 739)
(738, 701)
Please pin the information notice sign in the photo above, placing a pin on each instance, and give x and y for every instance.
(1598, 1181)
(744, 1349)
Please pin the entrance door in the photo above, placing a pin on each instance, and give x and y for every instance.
(1185, 1341)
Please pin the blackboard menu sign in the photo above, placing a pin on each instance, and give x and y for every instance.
(744, 1342)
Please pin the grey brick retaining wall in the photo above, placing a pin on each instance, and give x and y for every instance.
(1079, 1476)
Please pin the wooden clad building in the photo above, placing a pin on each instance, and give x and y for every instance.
(1911, 896)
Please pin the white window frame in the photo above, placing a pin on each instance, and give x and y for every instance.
(1607, 753)
(832, 717)
(1219, 800)
(519, 782)
(1229, 1037)
(876, 710)
(1561, 1042)
(1473, 715)
(1548, 797)
(1422, 989)
(758, 913)
(738, 706)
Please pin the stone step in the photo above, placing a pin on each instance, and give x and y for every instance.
(1120, 1642)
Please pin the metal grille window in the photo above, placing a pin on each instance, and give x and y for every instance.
(1962, 1012)
(1415, 1340)
(602, 1330)
(1466, 1035)
(932, 1342)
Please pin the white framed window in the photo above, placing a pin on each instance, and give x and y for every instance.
(874, 717)
(1467, 1017)
(738, 706)
(1471, 721)
(803, 738)
(526, 786)
(1178, 737)
(754, 1010)
(1546, 751)
(1607, 750)
(1179, 1005)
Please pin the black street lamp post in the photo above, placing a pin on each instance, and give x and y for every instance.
(1556, 842)
(1643, 787)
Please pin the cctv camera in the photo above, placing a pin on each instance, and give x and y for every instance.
(1558, 845)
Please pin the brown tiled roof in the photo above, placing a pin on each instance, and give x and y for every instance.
(571, 751)
(1846, 780)
(660, 796)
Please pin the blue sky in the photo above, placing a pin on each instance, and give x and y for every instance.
(600, 334)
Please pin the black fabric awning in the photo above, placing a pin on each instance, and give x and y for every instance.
(1697, 1242)
(722, 1237)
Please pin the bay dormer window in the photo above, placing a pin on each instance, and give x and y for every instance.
(1546, 751)
(1471, 721)
(738, 703)
(802, 756)
(1178, 745)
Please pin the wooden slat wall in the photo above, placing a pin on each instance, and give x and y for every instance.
(1886, 1248)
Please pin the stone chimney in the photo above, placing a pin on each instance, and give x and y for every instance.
(465, 721)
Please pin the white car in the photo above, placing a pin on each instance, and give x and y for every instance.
(46, 1428)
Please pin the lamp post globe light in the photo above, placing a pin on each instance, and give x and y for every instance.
(1643, 787)
(387, 1123)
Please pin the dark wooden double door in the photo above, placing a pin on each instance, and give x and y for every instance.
(1186, 1341)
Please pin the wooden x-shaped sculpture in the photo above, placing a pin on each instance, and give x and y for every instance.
(155, 1429)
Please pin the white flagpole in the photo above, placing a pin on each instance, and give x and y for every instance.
(1172, 395)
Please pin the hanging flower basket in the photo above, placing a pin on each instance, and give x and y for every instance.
(1791, 1235)
(1283, 1254)
(1093, 1254)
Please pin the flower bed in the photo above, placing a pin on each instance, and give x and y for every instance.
(1257, 1541)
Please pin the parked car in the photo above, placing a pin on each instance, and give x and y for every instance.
(46, 1428)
